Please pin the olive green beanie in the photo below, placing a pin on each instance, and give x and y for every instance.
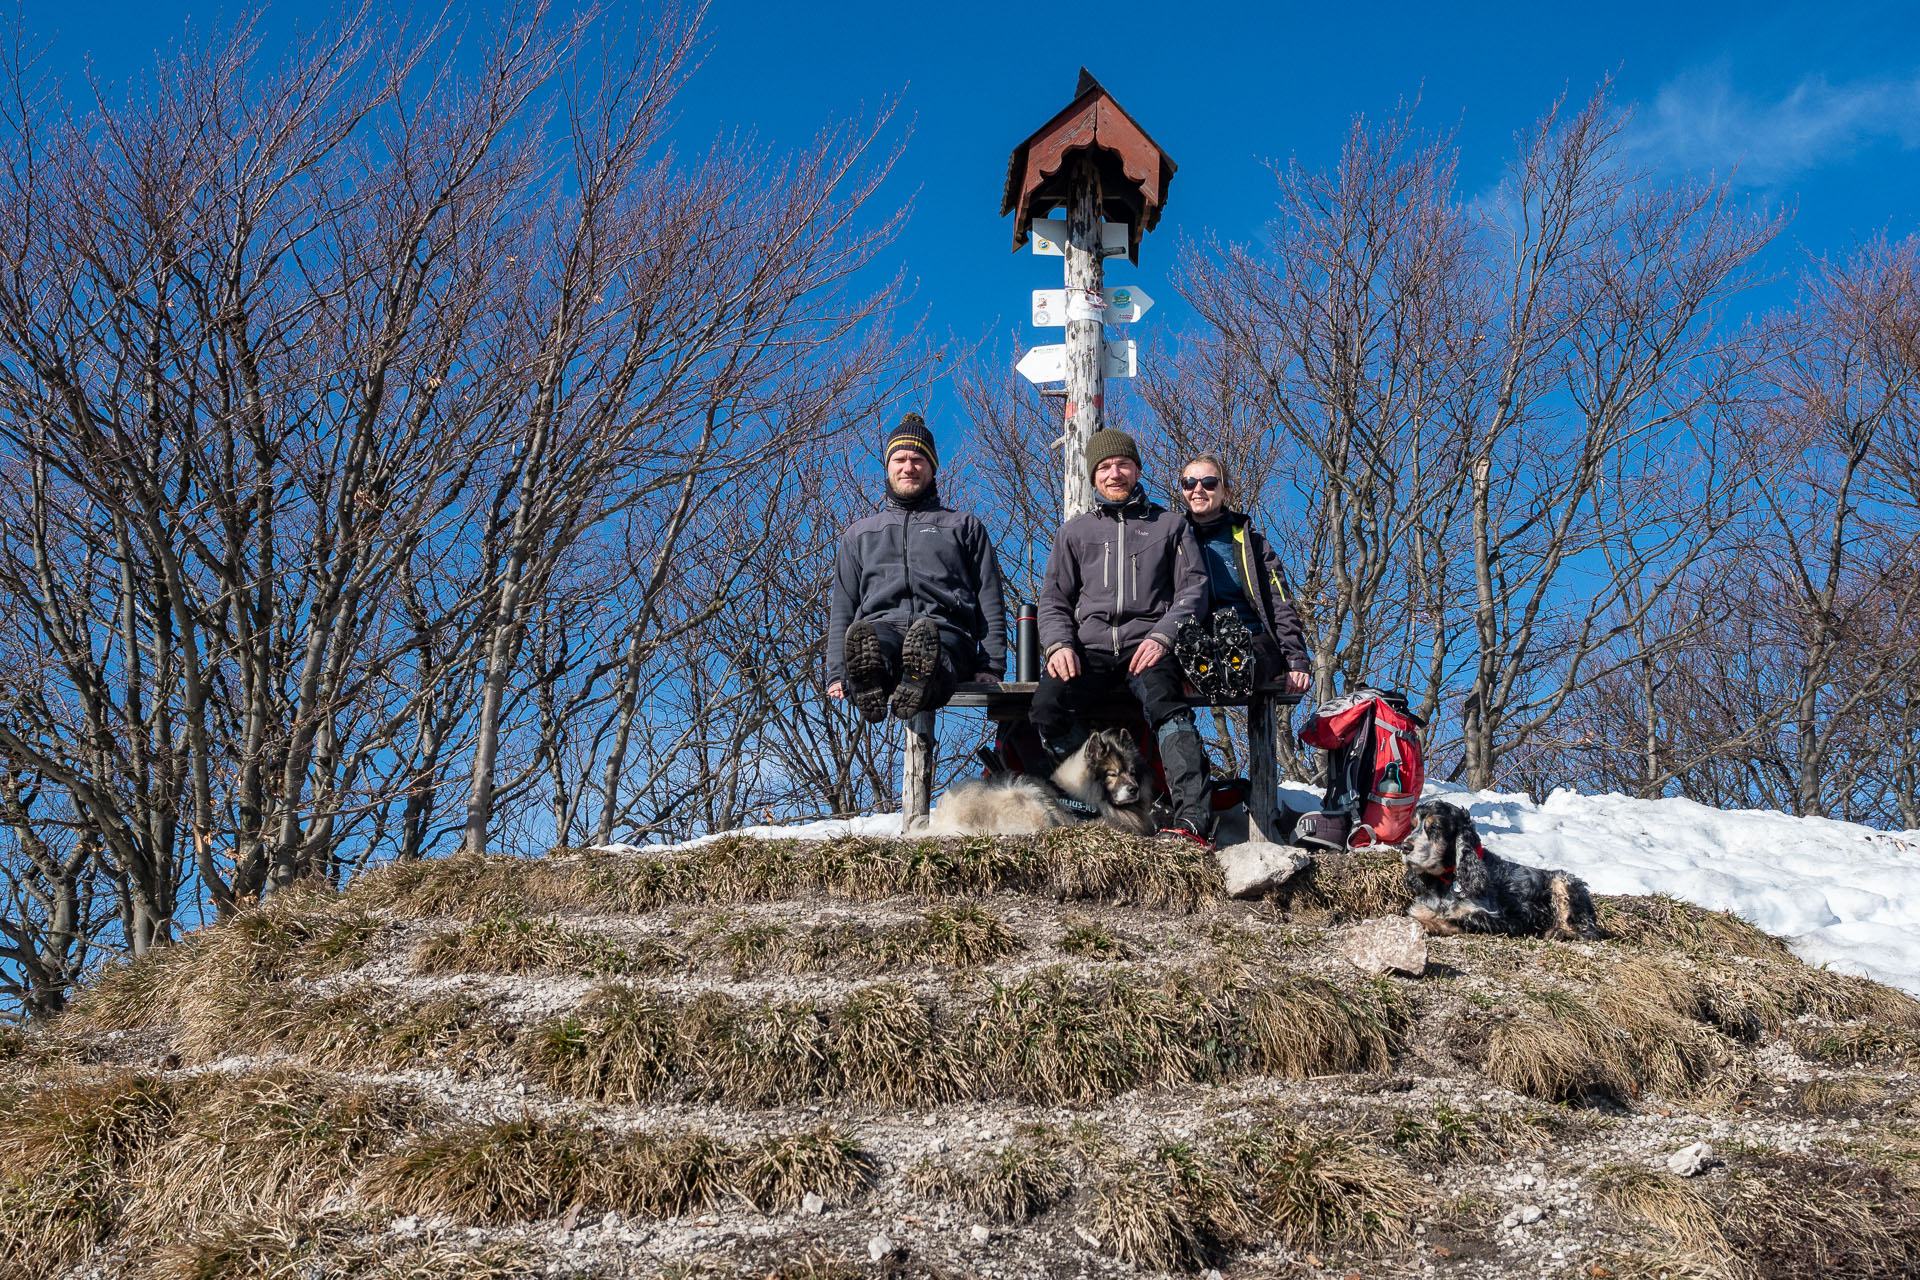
(1108, 443)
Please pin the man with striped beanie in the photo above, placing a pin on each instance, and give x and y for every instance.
(916, 603)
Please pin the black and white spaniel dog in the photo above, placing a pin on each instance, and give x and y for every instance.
(1458, 887)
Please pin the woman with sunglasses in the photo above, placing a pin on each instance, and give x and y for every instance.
(1244, 575)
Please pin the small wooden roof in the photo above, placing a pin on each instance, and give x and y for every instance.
(1134, 171)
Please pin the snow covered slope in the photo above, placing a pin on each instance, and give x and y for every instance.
(1841, 894)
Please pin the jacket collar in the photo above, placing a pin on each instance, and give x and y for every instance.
(1136, 503)
(1235, 520)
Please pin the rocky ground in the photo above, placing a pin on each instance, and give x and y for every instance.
(1060, 1056)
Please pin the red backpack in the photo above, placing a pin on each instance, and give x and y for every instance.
(1374, 768)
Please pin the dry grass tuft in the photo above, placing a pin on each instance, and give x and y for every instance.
(490, 1173)
(1444, 1135)
(1143, 1213)
(887, 1049)
(1303, 1026)
(1013, 1184)
(666, 1176)
(962, 936)
(270, 1142)
(1327, 1187)
(366, 1025)
(1840, 1095)
(1360, 884)
(1857, 1044)
(280, 1248)
(67, 1155)
(1799, 1217)
(514, 943)
(469, 888)
(532, 1168)
(1087, 937)
(1087, 862)
(1673, 1206)
(1658, 922)
(618, 1046)
(779, 1170)
(1049, 1038)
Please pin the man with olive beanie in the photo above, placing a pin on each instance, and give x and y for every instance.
(916, 602)
(1120, 581)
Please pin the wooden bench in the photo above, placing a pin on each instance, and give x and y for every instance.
(1008, 702)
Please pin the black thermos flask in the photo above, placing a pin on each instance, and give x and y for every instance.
(1026, 652)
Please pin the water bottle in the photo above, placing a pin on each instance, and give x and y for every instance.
(1026, 650)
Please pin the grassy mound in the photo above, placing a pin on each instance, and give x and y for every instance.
(1062, 1055)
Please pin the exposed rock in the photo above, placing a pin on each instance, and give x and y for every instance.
(879, 1247)
(980, 1234)
(1690, 1159)
(1255, 867)
(1396, 944)
(1523, 1215)
(812, 1202)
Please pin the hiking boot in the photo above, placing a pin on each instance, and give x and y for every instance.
(1234, 655)
(1184, 762)
(926, 680)
(866, 681)
(1193, 649)
(1322, 830)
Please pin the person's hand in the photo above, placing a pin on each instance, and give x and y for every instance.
(1297, 681)
(1149, 652)
(1063, 663)
(835, 690)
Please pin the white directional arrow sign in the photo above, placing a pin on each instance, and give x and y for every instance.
(1122, 305)
(1050, 234)
(1049, 363)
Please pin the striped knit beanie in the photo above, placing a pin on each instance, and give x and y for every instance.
(912, 433)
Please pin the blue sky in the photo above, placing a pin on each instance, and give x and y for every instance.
(1819, 104)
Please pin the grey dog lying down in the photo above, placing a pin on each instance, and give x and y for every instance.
(1106, 774)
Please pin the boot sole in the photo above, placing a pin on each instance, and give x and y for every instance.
(919, 669)
(866, 672)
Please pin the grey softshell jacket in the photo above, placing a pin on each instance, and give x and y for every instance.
(920, 558)
(1120, 573)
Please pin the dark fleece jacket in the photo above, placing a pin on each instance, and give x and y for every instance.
(916, 559)
(1120, 573)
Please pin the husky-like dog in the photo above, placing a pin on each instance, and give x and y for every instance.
(1458, 887)
(1106, 775)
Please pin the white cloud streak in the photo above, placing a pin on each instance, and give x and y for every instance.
(1701, 124)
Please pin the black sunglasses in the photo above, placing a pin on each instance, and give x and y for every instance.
(1209, 483)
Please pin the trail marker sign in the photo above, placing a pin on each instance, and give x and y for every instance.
(1121, 305)
(1049, 363)
(1050, 238)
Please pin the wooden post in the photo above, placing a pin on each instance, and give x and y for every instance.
(1086, 339)
(916, 782)
(1263, 791)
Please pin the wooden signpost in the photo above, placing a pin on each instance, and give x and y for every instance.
(1096, 163)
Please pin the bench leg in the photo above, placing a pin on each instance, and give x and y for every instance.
(916, 779)
(1263, 772)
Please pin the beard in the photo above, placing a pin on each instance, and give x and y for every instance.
(908, 490)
